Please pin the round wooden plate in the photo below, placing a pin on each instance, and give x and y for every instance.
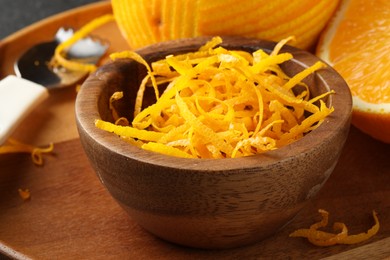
(71, 216)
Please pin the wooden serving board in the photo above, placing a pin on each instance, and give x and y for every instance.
(71, 216)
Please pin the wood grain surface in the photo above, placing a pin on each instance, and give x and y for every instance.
(71, 216)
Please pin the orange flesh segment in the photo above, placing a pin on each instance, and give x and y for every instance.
(360, 48)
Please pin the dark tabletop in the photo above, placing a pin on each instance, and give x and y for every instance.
(16, 14)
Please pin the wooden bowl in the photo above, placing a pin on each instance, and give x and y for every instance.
(210, 203)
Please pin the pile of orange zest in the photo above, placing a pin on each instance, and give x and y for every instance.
(14, 146)
(24, 194)
(322, 238)
(60, 51)
(122, 121)
(221, 103)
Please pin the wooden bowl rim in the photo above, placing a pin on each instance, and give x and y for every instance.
(87, 112)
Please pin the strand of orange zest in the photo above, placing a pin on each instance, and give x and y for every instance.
(321, 238)
(164, 149)
(24, 194)
(331, 240)
(354, 239)
(14, 146)
(59, 53)
(215, 41)
(123, 121)
(281, 43)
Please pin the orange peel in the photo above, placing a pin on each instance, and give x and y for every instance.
(322, 238)
(14, 146)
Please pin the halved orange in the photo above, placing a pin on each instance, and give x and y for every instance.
(356, 43)
(146, 22)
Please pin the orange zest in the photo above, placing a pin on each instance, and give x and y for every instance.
(221, 103)
(14, 146)
(357, 37)
(322, 238)
(24, 194)
(60, 51)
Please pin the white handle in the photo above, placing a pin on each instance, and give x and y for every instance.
(18, 97)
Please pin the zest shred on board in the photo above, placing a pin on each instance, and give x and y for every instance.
(220, 103)
(14, 146)
(60, 58)
(322, 238)
(24, 194)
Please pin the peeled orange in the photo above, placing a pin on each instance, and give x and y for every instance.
(146, 22)
(356, 43)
